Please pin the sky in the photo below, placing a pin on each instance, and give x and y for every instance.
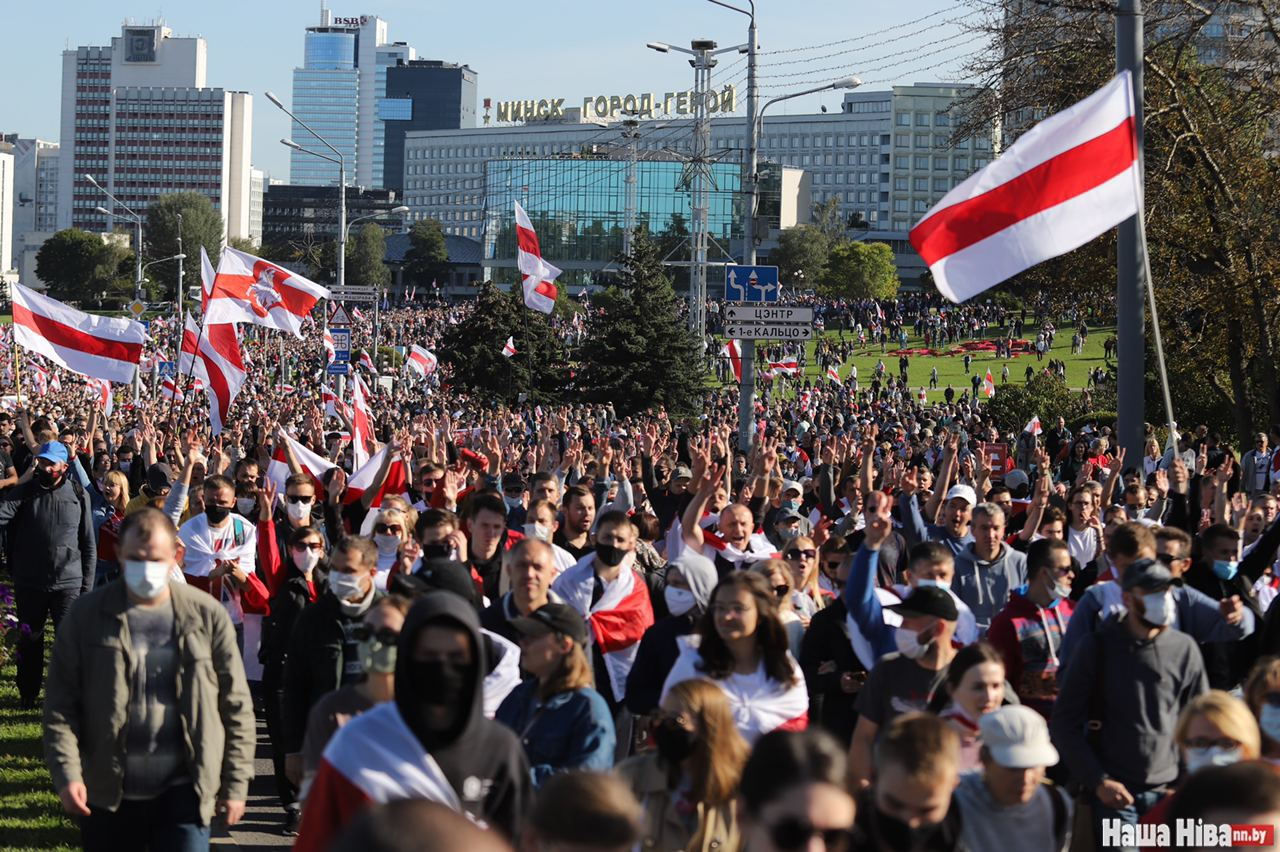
(574, 48)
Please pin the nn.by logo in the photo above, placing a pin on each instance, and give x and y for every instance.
(1185, 834)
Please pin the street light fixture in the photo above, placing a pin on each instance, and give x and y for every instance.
(137, 260)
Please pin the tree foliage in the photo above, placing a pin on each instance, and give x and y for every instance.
(801, 255)
(473, 350)
(201, 227)
(1045, 396)
(857, 270)
(428, 257)
(639, 351)
(79, 266)
(365, 256)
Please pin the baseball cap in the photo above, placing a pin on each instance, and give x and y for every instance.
(927, 600)
(964, 492)
(553, 618)
(1017, 737)
(1015, 479)
(1148, 575)
(54, 451)
(159, 477)
(789, 515)
(513, 482)
(438, 574)
(681, 472)
(791, 485)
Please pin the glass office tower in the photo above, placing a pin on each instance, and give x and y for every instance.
(325, 96)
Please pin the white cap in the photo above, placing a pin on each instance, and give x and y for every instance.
(792, 485)
(1017, 738)
(964, 492)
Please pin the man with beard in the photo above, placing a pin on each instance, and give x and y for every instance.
(432, 742)
(53, 559)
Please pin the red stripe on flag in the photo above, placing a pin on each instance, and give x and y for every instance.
(67, 337)
(1056, 180)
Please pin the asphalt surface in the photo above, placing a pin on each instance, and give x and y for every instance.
(263, 816)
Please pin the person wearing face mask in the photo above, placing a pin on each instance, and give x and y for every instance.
(1221, 574)
(514, 494)
(323, 652)
(690, 580)
(390, 532)
(1216, 729)
(787, 516)
(1028, 631)
(177, 746)
(53, 555)
(379, 636)
(1120, 697)
(688, 784)
(295, 512)
(540, 523)
(431, 742)
(562, 722)
(247, 475)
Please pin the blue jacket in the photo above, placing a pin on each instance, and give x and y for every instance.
(572, 730)
(916, 531)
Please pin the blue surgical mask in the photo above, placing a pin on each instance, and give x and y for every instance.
(1225, 569)
(935, 584)
(790, 505)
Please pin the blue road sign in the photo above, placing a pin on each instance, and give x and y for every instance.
(341, 344)
(340, 368)
(751, 284)
(168, 368)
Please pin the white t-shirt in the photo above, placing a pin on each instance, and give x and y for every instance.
(1083, 544)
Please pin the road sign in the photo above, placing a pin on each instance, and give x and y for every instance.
(771, 331)
(339, 368)
(168, 368)
(341, 343)
(137, 308)
(754, 313)
(338, 316)
(751, 283)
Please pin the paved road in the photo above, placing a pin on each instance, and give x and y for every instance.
(263, 818)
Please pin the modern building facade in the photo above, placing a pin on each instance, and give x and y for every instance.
(6, 216)
(886, 156)
(139, 117)
(35, 192)
(257, 187)
(305, 215)
(423, 94)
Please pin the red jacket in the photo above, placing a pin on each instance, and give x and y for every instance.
(1029, 637)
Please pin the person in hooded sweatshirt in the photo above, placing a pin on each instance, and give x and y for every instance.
(432, 742)
(1129, 680)
(690, 580)
(987, 569)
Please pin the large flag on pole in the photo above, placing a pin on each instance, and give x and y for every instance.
(731, 351)
(509, 348)
(99, 347)
(1064, 182)
(248, 289)
(219, 365)
(421, 361)
(539, 276)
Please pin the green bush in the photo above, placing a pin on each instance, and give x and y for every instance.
(1097, 418)
(389, 358)
(1046, 396)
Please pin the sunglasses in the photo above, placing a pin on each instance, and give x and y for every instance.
(387, 529)
(833, 565)
(796, 834)
(311, 545)
(781, 591)
(299, 498)
(385, 635)
(796, 553)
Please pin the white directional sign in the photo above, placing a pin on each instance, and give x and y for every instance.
(767, 313)
(775, 331)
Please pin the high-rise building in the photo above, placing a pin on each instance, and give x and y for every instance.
(6, 214)
(308, 215)
(35, 196)
(257, 187)
(139, 117)
(423, 94)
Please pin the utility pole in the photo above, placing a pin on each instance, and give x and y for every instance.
(1130, 256)
(181, 257)
(630, 132)
(701, 164)
(747, 354)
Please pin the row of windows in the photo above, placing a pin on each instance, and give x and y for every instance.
(922, 119)
(149, 121)
(939, 164)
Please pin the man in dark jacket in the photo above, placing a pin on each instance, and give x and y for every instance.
(1131, 680)
(831, 669)
(323, 649)
(433, 742)
(52, 558)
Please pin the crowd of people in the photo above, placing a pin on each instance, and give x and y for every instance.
(558, 627)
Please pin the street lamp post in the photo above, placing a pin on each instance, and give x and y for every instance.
(137, 262)
(377, 303)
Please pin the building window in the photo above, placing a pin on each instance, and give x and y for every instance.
(902, 140)
(920, 184)
(941, 119)
(900, 184)
(922, 119)
(920, 162)
(921, 206)
(941, 184)
(922, 140)
(900, 205)
(903, 119)
(941, 163)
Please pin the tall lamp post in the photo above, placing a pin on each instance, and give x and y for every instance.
(137, 261)
(755, 123)
(377, 303)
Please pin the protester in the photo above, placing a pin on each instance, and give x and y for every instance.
(987, 569)
(793, 793)
(412, 825)
(831, 669)
(974, 687)
(530, 568)
(605, 817)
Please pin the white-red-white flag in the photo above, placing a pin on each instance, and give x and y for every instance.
(315, 465)
(100, 392)
(212, 355)
(397, 481)
(101, 347)
(331, 353)
(509, 348)
(539, 276)
(833, 373)
(333, 404)
(787, 366)
(421, 361)
(169, 390)
(357, 314)
(207, 274)
(1065, 181)
(248, 289)
(367, 362)
(731, 351)
(361, 422)
(1033, 426)
(989, 385)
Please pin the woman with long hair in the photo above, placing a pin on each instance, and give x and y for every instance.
(974, 687)
(391, 531)
(109, 512)
(741, 646)
(1084, 527)
(782, 582)
(688, 786)
(801, 556)
(557, 714)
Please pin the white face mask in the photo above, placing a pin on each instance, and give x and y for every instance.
(298, 511)
(244, 505)
(1201, 758)
(908, 643)
(146, 579)
(305, 561)
(1158, 608)
(513, 503)
(537, 531)
(937, 584)
(387, 544)
(1269, 722)
(679, 601)
(345, 587)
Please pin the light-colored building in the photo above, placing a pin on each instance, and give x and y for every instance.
(257, 186)
(6, 215)
(35, 194)
(140, 118)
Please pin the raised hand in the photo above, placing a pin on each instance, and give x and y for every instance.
(879, 524)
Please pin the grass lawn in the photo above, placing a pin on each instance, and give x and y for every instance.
(30, 814)
(951, 367)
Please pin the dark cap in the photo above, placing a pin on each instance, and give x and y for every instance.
(927, 600)
(513, 482)
(159, 477)
(553, 618)
(1147, 575)
(446, 575)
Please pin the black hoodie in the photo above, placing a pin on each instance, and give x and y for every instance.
(482, 759)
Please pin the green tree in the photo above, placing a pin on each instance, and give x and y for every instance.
(639, 351)
(1046, 396)
(79, 266)
(365, 255)
(245, 245)
(801, 255)
(428, 257)
(857, 270)
(473, 350)
(201, 227)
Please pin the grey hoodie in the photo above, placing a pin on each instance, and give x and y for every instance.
(987, 586)
(1141, 686)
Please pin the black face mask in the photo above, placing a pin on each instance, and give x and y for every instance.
(893, 833)
(216, 514)
(609, 555)
(45, 478)
(674, 741)
(436, 550)
(438, 683)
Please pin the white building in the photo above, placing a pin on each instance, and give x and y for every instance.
(35, 196)
(257, 186)
(7, 271)
(140, 118)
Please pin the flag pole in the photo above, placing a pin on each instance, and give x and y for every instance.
(1130, 318)
(1155, 321)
